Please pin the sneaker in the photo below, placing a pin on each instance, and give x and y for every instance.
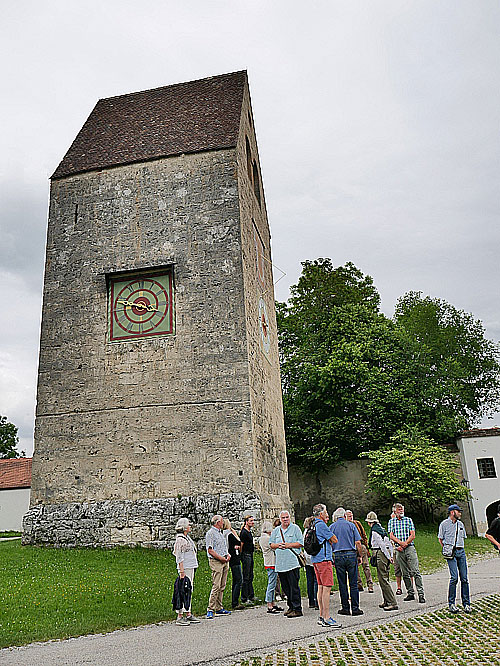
(210, 615)
(467, 608)
(333, 623)
(399, 591)
(371, 590)
(182, 622)
(295, 613)
(192, 619)
(358, 611)
(382, 605)
(390, 608)
(316, 607)
(421, 600)
(278, 598)
(287, 612)
(343, 611)
(222, 611)
(453, 609)
(409, 597)
(321, 622)
(239, 607)
(278, 608)
(273, 610)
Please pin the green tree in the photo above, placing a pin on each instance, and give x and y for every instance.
(415, 470)
(352, 377)
(454, 369)
(8, 439)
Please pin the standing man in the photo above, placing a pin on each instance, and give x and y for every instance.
(402, 533)
(493, 531)
(247, 550)
(218, 560)
(452, 533)
(347, 553)
(323, 566)
(286, 540)
(366, 553)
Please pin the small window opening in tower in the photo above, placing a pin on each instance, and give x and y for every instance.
(249, 158)
(256, 183)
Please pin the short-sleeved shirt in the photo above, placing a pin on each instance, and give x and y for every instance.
(246, 541)
(449, 529)
(494, 530)
(285, 559)
(216, 540)
(323, 532)
(401, 527)
(346, 533)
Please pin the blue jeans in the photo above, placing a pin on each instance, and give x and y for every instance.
(346, 566)
(272, 577)
(458, 566)
(312, 585)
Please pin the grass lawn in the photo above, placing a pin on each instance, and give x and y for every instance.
(57, 593)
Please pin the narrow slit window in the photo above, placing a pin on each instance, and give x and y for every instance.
(256, 182)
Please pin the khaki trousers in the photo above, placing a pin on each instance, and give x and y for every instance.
(219, 577)
(383, 568)
(366, 568)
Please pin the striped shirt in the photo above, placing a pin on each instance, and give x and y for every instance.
(401, 527)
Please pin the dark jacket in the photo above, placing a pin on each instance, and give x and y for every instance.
(182, 593)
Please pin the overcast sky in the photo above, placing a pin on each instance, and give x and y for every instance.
(377, 124)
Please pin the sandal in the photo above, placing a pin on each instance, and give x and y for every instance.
(399, 591)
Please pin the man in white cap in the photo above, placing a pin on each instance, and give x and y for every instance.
(452, 535)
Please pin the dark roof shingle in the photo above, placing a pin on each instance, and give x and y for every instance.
(181, 118)
(15, 473)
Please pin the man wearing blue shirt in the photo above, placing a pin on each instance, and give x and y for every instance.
(286, 541)
(347, 551)
(323, 567)
(452, 533)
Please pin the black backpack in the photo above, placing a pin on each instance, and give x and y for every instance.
(311, 544)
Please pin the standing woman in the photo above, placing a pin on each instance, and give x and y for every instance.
(234, 549)
(381, 545)
(187, 563)
(312, 582)
(269, 566)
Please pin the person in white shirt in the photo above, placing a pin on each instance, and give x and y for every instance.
(187, 563)
(381, 545)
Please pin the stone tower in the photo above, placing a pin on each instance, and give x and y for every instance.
(158, 388)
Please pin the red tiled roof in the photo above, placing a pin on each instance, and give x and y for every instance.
(182, 118)
(15, 473)
(480, 432)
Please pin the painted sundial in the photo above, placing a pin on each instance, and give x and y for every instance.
(140, 306)
(265, 336)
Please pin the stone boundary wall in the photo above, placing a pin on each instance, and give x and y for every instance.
(147, 522)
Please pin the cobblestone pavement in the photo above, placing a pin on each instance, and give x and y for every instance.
(436, 638)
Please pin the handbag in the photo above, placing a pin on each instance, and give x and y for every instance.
(300, 556)
(449, 551)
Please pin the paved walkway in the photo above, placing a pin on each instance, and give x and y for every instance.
(226, 639)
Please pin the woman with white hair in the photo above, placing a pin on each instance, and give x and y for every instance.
(269, 566)
(187, 563)
(382, 547)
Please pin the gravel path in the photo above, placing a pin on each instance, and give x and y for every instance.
(226, 640)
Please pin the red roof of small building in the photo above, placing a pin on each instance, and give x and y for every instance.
(15, 473)
(182, 118)
(480, 432)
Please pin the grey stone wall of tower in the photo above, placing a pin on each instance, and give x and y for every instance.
(131, 434)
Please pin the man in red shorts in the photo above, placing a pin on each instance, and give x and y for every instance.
(323, 567)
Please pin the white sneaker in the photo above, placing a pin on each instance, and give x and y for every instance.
(453, 609)
(467, 609)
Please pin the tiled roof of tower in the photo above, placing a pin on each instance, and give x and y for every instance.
(15, 473)
(182, 118)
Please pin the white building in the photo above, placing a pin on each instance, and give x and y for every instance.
(15, 487)
(480, 460)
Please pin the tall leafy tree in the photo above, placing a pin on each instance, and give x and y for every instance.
(8, 439)
(353, 377)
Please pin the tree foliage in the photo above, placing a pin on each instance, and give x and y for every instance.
(8, 439)
(352, 377)
(416, 471)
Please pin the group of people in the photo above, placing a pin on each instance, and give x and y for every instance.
(343, 544)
